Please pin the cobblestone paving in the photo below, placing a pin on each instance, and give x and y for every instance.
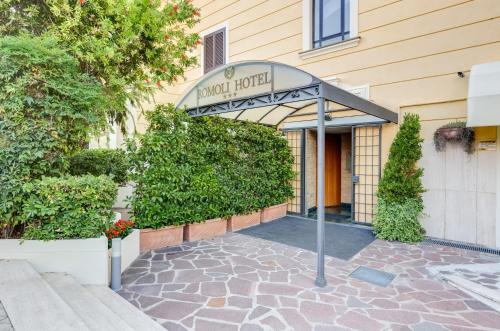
(5, 324)
(236, 282)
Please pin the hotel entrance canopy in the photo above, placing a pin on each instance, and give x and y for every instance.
(269, 92)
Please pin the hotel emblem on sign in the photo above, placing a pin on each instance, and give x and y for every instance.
(229, 72)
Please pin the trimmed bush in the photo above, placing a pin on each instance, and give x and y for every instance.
(398, 221)
(400, 189)
(68, 207)
(189, 170)
(102, 161)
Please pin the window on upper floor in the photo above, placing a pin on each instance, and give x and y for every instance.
(214, 50)
(331, 22)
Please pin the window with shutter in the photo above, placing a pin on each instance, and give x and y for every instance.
(214, 49)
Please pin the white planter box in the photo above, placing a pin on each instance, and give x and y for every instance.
(130, 250)
(123, 193)
(84, 259)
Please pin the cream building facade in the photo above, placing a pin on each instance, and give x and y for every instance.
(407, 56)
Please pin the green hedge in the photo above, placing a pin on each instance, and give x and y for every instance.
(193, 169)
(68, 207)
(102, 161)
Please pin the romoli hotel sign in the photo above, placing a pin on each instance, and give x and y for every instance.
(234, 82)
(242, 80)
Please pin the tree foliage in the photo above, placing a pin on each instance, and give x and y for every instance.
(48, 108)
(189, 170)
(400, 205)
(130, 46)
(100, 161)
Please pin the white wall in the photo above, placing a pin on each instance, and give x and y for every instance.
(460, 201)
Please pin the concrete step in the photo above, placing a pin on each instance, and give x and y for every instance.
(481, 293)
(92, 311)
(31, 303)
(121, 307)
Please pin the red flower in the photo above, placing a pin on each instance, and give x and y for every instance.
(158, 83)
(196, 12)
(82, 2)
(175, 8)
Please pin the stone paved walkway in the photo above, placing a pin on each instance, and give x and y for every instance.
(236, 282)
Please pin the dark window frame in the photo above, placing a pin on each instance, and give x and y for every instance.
(207, 69)
(324, 40)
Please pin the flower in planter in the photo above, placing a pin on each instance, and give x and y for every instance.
(120, 229)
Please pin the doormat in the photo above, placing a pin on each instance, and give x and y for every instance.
(373, 276)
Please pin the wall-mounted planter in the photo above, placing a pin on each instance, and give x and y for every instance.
(455, 132)
(206, 230)
(84, 259)
(450, 133)
(272, 213)
(159, 238)
(238, 222)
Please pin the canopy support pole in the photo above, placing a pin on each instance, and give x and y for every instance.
(320, 268)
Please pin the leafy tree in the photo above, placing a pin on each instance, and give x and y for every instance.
(48, 108)
(130, 46)
(400, 189)
(100, 161)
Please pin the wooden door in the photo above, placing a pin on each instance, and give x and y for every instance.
(332, 170)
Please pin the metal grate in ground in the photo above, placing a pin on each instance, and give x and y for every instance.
(373, 276)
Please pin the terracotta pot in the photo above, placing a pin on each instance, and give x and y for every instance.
(206, 230)
(272, 213)
(238, 222)
(159, 238)
(450, 133)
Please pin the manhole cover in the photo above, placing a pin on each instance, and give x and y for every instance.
(373, 276)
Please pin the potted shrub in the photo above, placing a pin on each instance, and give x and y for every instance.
(205, 230)
(274, 212)
(455, 132)
(198, 172)
(162, 237)
(267, 170)
(242, 221)
(64, 220)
